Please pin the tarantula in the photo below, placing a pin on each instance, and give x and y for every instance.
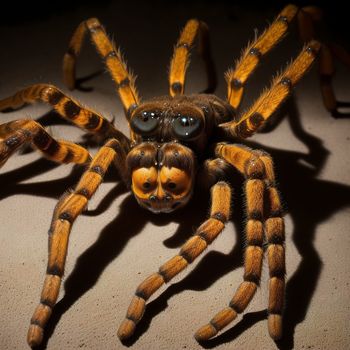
(174, 141)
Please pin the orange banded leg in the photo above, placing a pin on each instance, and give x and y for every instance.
(258, 169)
(67, 209)
(205, 234)
(67, 108)
(16, 133)
(246, 65)
(124, 81)
(274, 230)
(275, 236)
(180, 60)
(271, 99)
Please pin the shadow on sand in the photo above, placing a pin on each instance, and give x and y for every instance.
(301, 189)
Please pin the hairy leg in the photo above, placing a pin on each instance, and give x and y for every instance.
(329, 51)
(246, 65)
(193, 30)
(263, 214)
(67, 210)
(16, 133)
(205, 234)
(124, 80)
(67, 107)
(272, 98)
(249, 61)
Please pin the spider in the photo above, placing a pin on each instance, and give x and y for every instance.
(175, 141)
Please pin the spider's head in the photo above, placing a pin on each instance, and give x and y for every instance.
(167, 119)
(162, 175)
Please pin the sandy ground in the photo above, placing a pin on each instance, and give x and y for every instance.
(116, 244)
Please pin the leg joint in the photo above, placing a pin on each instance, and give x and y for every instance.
(276, 239)
(53, 95)
(93, 121)
(110, 54)
(283, 19)
(98, 170)
(176, 87)
(71, 109)
(252, 278)
(186, 255)
(219, 216)
(66, 215)
(254, 51)
(83, 192)
(286, 82)
(141, 294)
(236, 84)
(124, 83)
(255, 168)
(183, 45)
(55, 270)
(47, 302)
(131, 108)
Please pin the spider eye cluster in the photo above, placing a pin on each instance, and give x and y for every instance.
(187, 127)
(182, 126)
(145, 123)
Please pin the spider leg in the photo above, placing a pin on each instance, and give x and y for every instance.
(66, 107)
(306, 18)
(67, 209)
(125, 82)
(260, 188)
(205, 234)
(275, 235)
(14, 134)
(267, 103)
(193, 30)
(246, 65)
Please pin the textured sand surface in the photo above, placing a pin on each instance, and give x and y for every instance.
(116, 244)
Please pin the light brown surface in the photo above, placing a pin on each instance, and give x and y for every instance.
(117, 244)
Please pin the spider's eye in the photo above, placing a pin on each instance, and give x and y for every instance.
(144, 123)
(187, 127)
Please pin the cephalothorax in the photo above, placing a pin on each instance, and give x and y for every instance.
(171, 136)
(174, 141)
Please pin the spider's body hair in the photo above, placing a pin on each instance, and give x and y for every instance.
(169, 154)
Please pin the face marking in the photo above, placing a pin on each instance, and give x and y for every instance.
(161, 190)
(144, 181)
(161, 175)
(175, 180)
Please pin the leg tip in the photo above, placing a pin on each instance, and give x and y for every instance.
(126, 329)
(275, 326)
(204, 333)
(35, 335)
